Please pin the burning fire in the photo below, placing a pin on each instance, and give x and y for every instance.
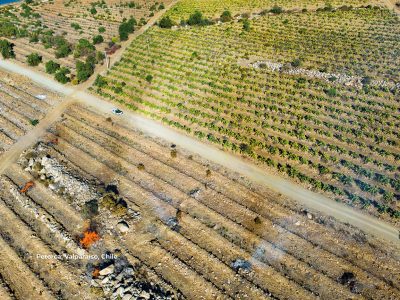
(89, 238)
(96, 273)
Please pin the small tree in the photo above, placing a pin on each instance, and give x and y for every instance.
(166, 22)
(149, 78)
(102, 29)
(126, 28)
(34, 59)
(85, 69)
(276, 10)
(246, 25)
(52, 67)
(6, 49)
(296, 63)
(97, 39)
(100, 81)
(61, 75)
(226, 16)
(83, 48)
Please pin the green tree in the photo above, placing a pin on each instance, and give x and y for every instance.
(226, 16)
(100, 81)
(7, 49)
(97, 39)
(166, 22)
(126, 28)
(85, 69)
(197, 19)
(34, 59)
(52, 67)
(61, 75)
(246, 25)
(83, 48)
(296, 63)
(276, 10)
(149, 78)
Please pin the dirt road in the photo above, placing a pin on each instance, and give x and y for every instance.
(309, 199)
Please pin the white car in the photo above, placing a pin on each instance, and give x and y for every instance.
(117, 112)
(41, 97)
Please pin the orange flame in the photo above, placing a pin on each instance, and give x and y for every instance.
(27, 186)
(96, 273)
(89, 238)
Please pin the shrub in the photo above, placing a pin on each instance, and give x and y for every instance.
(166, 22)
(246, 25)
(61, 75)
(226, 16)
(149, 78)
(126, 28)
(34, 59)
(197, 19)
(97, 39)
(75, 26)
(276, 10)
(366, 80)
(83, 48)
(102, 29)
(90, 209)
(296, 63)
(331, 92)
(6, 49)
(34, 122)
(85, 69)
(100, 81)
(52, 67)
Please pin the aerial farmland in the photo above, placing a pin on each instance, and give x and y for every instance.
(200, 149)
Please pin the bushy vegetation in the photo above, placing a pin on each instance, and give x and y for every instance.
(226, 16)
(97, 39)
(84, 48)
(166, 22)
(52, 67)
(62, 75)
(85, 69)
(34, 59)
(197, 19)
(127, 27)
(7, 49)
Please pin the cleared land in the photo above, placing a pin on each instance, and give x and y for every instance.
(327, 117)
(22, 106)
(186, 222)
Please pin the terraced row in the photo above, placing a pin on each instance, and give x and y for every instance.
(22, 105)
(210, 220)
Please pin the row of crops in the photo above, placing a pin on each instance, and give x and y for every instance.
(333, 138)
(213, 8)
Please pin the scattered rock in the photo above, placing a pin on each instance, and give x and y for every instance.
(241, 264)
(108, 270)
(123, 227)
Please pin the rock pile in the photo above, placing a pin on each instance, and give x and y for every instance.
(338, 78)
(119, 280)
(57, 177)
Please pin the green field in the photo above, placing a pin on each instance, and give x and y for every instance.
(342, 140)
(214, 8)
